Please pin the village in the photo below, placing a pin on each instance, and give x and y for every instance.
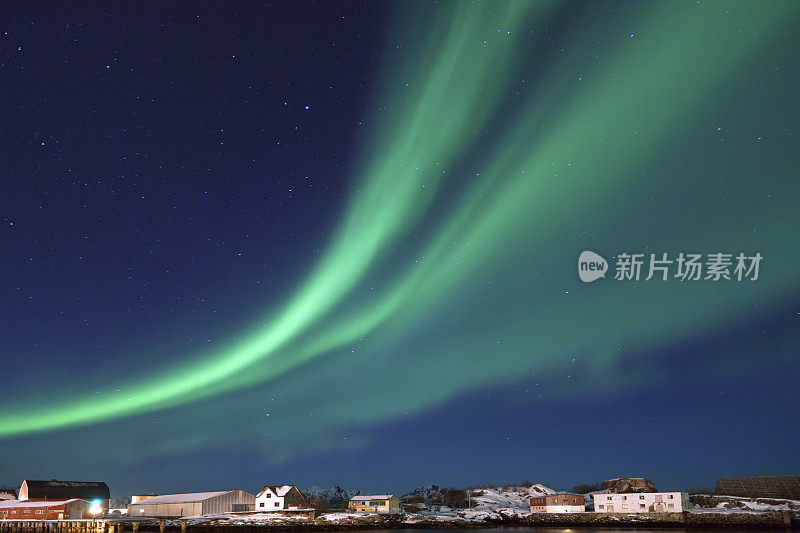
(55, 505)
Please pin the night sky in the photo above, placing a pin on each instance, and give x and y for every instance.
(337, 243)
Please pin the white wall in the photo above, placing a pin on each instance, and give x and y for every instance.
(558, 509)
(566, 508)
(643, 502)
(269, 501)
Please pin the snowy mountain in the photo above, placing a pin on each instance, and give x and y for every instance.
(427, 492)
(119, 503)
(335, 496)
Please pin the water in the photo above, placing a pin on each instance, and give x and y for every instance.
(564, 530)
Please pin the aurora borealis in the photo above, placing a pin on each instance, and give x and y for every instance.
(251, 254)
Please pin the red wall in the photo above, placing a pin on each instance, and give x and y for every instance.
(29, 513)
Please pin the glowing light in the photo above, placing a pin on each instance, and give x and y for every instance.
(95, 508)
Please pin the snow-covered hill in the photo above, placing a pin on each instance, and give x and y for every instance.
(513, 497)
(703, 503)
(483, 502)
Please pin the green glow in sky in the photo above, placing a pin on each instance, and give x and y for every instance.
(476, 192)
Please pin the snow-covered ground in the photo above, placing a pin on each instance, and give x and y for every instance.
(737, 504)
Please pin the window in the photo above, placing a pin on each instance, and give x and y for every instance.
(601, 507)
(641, 496)
(624, 505)
(262, 504)
(624, 497)
(641, 506)
(671, 505)
(670, 497)
(269, 495)
(277, 504)
(608, 498)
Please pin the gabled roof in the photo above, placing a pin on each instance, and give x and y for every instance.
(373, 497)
(189, 497)
(277, 490)
(64, 490)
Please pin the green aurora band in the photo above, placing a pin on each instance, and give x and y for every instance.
(443, 212)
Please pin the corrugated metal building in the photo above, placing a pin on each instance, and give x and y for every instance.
(193, 504)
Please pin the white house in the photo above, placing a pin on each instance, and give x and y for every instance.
(641, 502)
(279, 497)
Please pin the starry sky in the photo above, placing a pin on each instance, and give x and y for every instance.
(337, 243)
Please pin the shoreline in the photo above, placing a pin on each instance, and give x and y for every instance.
(771, 520)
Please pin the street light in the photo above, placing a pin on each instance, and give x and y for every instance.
(95, 508)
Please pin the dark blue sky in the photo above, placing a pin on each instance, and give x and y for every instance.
(417, 179)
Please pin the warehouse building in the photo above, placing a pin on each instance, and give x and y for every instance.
(193, 504)
(43, 510)
(93, 491)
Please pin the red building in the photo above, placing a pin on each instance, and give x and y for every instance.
(43, 510)
(558, 503)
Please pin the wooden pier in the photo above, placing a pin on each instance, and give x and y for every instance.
(104, 525)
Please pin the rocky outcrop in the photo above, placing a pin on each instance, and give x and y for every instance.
(624, 485)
